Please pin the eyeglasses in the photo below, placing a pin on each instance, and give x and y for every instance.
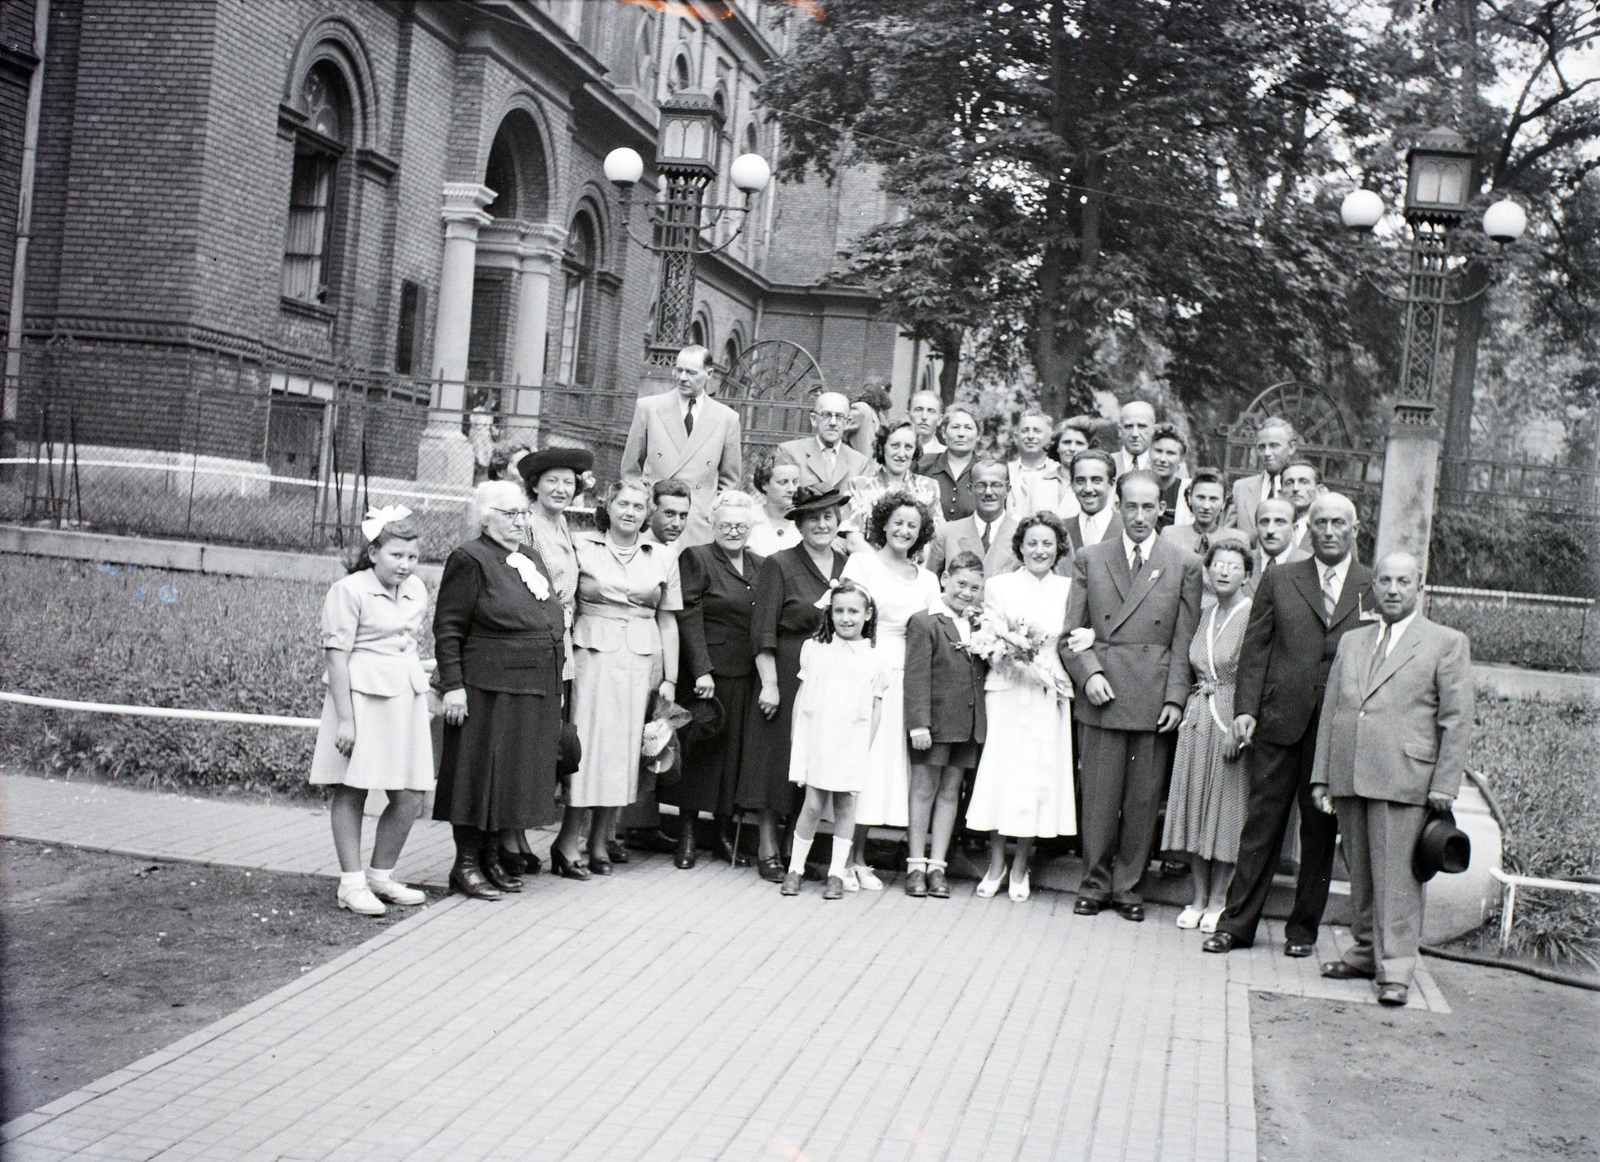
(832, 415)
(733, 530)
(514, 513)
(988, 486)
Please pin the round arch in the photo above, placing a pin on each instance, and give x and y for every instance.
(336, 41)
(517, 169)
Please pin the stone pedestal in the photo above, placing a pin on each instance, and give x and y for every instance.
(1410, 474)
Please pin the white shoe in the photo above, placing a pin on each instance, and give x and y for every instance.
(1208, 921)
(1021, 889)
(851, 884)
(987, 887)
(361, 901)
(1190, 917)
(868, 879)
(395, 892)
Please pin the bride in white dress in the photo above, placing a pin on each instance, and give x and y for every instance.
(898, 527)
(1023, 788)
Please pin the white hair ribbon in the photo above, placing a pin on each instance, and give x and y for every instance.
(827, 598)
(376, 518)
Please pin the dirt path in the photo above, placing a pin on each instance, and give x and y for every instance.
(1513, 1072)
(106, 958)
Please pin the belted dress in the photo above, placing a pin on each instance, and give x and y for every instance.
(616, 660)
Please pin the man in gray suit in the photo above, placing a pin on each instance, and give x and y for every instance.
(1275, 539)
(1391, 744)
(1141, 596)
(687, 435)
(1276, 442)
(987, 532)
(825, 460)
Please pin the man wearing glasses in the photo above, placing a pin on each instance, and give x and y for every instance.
(686, 435)
(825, 460)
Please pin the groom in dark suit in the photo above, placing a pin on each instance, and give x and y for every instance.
(1300, 612)
(1141, 596)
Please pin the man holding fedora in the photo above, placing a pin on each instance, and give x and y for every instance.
(1391, 748)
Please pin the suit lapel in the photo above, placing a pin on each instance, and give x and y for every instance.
(1349, 596)
(1405, 649)
(999, 543)
(706, 419)
(1117, 566)
(1305, 580)
(727, 565)
(1154, 563)
(671, 415)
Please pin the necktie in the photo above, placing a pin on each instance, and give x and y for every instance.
(1330, 596)
(1273, 487)
(1137, 561)
(688, 418)
(1205, 544)
(1379, 654)
(988, 532)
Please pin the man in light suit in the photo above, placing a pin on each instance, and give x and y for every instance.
(1299, 613)
(1275, 447)
(687, 435)
(987, 532)
(1141, 596)
(825, 460)
(1094, 476)
(1392, 744)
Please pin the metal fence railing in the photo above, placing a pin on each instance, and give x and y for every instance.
(1522, 629)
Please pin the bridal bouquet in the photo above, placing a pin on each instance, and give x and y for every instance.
(1019, 650)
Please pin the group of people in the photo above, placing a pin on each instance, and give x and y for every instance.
(1073, 642)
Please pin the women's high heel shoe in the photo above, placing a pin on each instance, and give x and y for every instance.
(988, 887)
(560, 865)
(1021, 889)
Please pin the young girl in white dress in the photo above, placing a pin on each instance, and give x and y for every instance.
(837, 714)
(374, 732)
(899, 526)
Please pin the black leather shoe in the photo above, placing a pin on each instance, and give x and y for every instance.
(772, 870)
(1087, 907)
(599, 867)
(917, 883)
(651, 839)
(834, 890)
(494, 871)
(938, 888)
(791, 884)
(1393, 993)
(722, 848)
(532, 865)
(560, 865)
(468, 880)
(513, 862)
(1299, 951)
(684, 858)
(1219, 942)
(1133, 912)
(1339, 970)
(617, 852)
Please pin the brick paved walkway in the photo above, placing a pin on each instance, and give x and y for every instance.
(697, 1015)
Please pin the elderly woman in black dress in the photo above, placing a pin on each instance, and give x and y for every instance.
(714, 632)
(787, 590)
(497, 630)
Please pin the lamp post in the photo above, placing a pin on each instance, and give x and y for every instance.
(685, 158)
(1438, 199)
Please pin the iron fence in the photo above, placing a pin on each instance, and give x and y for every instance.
(1522, 629)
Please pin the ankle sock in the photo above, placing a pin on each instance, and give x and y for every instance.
(797, 856)
(840, 857)
(350, 881)
(376, 875)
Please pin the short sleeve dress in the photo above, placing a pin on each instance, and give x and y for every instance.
(616, 661)
(839, 682)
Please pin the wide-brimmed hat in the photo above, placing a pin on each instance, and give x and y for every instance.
(1442, 847)
(814, 500)
(536, 464)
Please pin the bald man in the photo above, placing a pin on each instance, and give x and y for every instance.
(1136, 428)
(925, 410)
(1299, 613)
(825, 460)
(1391, 745)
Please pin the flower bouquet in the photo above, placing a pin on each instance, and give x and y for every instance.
(1019, 650)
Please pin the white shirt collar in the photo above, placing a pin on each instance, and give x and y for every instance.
(685, 404)
(1397, 629)
(1141, 461)
(1283, 559)
(1096, 524)
(1144, 547)
(963, 626)
(1340, 571)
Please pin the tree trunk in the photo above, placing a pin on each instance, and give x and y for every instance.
(1463, 373)
(949, 369)
(1052, 371)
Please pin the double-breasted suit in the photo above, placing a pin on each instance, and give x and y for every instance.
(1142, 626)
(1289, 646)
(962, 536)
(944, 683)
(1393, 729)
(660, 448)
(816, 471)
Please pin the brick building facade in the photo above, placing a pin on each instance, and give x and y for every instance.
(249, 214)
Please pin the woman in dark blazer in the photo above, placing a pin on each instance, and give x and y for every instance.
(790, 584)
(714, 634)
(497, 630)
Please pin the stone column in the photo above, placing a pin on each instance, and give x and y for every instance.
(539, 257)
(1410, 474)
(443, 454)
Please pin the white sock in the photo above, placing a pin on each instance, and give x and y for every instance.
(797, 857)
(380, 875)
(350, 881)
(841, 856)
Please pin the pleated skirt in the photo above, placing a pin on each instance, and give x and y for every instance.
(497, 770)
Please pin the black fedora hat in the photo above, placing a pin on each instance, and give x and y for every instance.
(708, 721)
(536, 464)
(814, 500)
(1442, 847)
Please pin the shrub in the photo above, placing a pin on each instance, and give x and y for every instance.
(1524, 552)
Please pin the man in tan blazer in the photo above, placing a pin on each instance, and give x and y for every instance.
(987, 532)
(1391, 743)
(1141, 596)
(825, 460)
(687, 435)
(1276, 442)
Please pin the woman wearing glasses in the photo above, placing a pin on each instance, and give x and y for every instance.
(624, 647)
(714, 629)
(497, 631)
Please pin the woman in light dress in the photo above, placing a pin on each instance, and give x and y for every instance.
(1023, 788)
(898, 527)
(896, 456)
(775, 478)
(1210, 781)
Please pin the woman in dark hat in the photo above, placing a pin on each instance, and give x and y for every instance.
(788, 587)
(714, 632)
(497, 631)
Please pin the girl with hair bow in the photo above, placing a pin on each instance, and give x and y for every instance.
(374, 732)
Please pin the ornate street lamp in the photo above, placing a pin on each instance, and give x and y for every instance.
(1439, 190)
(685, 157)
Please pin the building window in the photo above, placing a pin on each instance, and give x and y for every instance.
(313, 185)
(578, 318)
(408, 334)
(679, 80)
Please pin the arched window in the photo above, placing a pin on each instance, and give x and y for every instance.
(314, 185)
(730, 351)
(579, 318)
(700, 332)
(680, 78)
